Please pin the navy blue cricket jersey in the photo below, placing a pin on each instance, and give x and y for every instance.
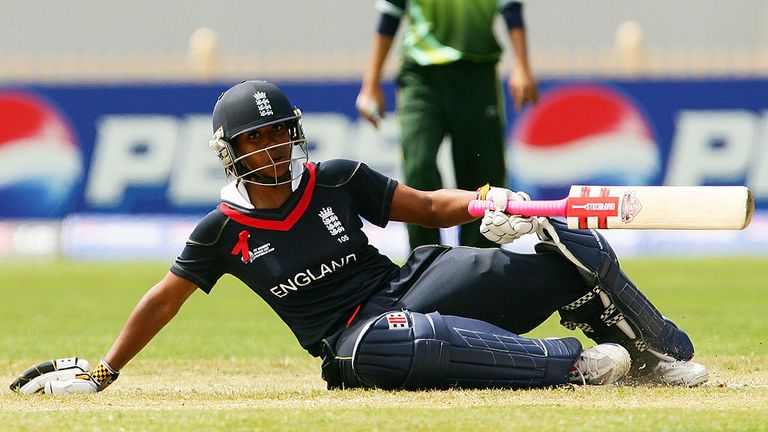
(309, 259)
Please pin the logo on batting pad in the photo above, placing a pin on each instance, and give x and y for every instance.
(397, 320)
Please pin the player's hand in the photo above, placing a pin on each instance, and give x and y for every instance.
(370, 104)
(65, 376)
(523, 87)
(500, 227)
(500, 196)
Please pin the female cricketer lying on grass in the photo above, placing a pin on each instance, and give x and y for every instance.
(291, 231)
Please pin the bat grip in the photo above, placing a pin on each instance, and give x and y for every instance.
(524, 208)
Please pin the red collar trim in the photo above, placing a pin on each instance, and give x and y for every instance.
(276, 225)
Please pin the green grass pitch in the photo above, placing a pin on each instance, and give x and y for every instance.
(227, 363)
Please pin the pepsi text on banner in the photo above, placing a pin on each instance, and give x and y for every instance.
(141, 149)
(616, 134)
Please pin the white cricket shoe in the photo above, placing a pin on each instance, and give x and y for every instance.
(679, 373)
(601, 364)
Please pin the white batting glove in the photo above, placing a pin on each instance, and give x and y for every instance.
(95, 381)
(65, 376)
(500, 227)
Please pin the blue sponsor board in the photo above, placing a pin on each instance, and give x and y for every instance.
(649, 132)
(142, 149)
(120, 149)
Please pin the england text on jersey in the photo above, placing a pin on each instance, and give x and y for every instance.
(307, 276)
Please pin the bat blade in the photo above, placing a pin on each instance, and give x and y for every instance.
(660, 207)
(643, 207)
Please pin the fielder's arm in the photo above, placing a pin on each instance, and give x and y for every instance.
(522, 85)
(370, 101)
(151, 314)
(442, 208)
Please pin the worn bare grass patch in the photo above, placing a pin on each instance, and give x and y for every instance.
(294, 383)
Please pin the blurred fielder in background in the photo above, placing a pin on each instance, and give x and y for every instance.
(448, 85)
(291, 230)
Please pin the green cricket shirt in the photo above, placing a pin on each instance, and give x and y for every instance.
(445, 31)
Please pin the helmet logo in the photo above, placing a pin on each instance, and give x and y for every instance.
(265, 108)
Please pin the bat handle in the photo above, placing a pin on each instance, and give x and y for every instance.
(524, 208)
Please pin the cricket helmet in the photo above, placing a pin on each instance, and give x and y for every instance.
(251, 105)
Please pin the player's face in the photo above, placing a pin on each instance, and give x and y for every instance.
(266, 151)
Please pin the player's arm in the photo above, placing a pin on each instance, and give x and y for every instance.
(151, 314)
(370, 101)
(522, 85)
(441, 208)
(448, 207)
(73, 375)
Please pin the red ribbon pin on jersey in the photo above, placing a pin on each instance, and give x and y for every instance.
(241, 248)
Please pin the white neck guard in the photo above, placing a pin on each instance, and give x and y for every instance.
(236, 193)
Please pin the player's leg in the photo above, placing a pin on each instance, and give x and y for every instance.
(422, 125)
(613, 309)
(425, 281)
(410, 350)
(514, 291)
(476, 127)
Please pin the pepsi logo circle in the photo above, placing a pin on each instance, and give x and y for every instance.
(582, 134)
(40, 161)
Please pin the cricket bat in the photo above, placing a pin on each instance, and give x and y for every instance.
(642, 207)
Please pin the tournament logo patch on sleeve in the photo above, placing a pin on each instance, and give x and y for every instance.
(397, 320)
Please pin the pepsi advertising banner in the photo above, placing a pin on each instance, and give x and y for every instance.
(143, 149)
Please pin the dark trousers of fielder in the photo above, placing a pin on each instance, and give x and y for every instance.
(462, 100)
